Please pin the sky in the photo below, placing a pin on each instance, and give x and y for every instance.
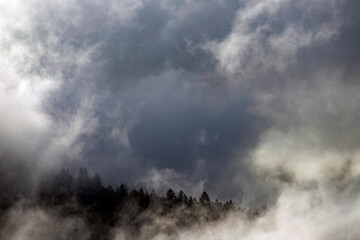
(252, 100)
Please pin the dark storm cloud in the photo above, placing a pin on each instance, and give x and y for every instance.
(257, 101)
(174, 128)
(128, 86)
(160, 38)
(181, 126)
(195, 87)
(95, 51)
(135, 39)
(342, 50)
(182, 131)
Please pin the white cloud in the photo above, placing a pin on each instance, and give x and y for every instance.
(255, 47)
(31, 72)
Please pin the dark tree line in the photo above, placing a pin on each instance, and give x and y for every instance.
(104, 208)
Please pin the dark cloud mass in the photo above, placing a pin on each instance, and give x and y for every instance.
(257, 101)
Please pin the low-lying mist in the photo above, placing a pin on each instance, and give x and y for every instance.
(64, 207)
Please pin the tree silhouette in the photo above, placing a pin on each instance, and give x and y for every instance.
(102, 208)
(182, 198)
(170, 195)
(205, 199)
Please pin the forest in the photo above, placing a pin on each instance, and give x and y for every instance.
(104, 209)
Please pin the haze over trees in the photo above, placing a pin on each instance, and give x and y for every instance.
(104, 209)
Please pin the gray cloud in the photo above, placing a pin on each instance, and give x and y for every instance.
(225, 93)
